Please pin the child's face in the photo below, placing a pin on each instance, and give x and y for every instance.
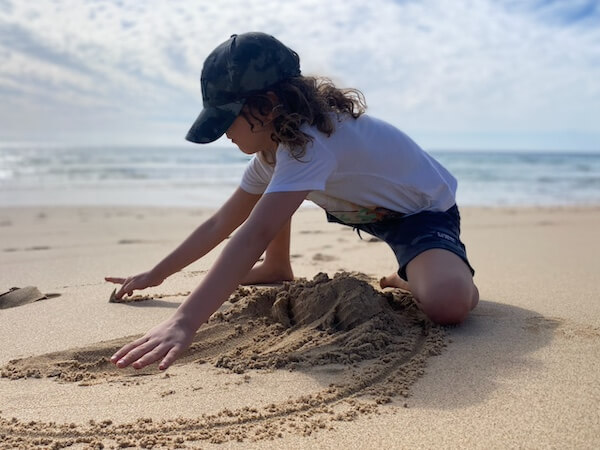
(249, 139)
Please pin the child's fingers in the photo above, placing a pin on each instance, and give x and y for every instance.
(127, 288)
(121, 292)
(170, 357)
(126, 348)
(115, 280)
(151, 357)
(136, 353)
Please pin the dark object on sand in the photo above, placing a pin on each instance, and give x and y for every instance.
(20, 296)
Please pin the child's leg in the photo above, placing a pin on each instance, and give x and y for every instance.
(442, 285)
(393, 280)
(276, 266)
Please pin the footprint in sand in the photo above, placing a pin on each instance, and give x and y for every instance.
(28, 249)
(38, 247)
(323, 257)
(22, 296)
(132, 241)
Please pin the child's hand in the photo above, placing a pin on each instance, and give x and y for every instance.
(166, 341)
(137, 282)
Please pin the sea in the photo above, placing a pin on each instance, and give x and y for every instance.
(204, 177)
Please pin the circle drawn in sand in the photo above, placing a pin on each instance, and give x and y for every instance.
(380, 340)
(142, 298)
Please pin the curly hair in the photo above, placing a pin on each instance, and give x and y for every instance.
(304, 100)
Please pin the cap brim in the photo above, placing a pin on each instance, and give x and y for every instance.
(212, 122)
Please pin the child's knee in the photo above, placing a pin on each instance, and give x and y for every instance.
(447, 301)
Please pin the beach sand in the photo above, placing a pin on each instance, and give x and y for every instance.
(328, 361)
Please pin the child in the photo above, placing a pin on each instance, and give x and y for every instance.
(309, 140)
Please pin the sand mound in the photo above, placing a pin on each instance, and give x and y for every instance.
(380, 338)
(339, 321)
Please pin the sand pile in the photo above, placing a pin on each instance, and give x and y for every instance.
(380, 340)
(339, 321)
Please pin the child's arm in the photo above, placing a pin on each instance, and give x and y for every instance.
(276, 266)
(170, 338)
(206, 237)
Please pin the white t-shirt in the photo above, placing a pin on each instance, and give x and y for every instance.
(366, 163)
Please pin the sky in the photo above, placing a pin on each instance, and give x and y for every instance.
(453, 74)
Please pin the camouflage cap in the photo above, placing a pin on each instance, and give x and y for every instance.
(244, 65)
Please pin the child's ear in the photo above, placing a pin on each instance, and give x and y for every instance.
(274, 101)
(273, 97)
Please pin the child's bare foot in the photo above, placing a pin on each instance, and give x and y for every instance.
(394, 280)
(266, 274)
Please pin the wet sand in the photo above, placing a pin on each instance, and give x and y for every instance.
(328, 360)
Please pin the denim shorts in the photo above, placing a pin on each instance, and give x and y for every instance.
(411, 235)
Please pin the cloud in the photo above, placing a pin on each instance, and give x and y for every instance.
(433, 68)
(558, 12)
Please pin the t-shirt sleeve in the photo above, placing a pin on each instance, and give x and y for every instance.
(256, 176)
(308, 173)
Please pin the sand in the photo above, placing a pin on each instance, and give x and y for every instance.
(326, 361)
